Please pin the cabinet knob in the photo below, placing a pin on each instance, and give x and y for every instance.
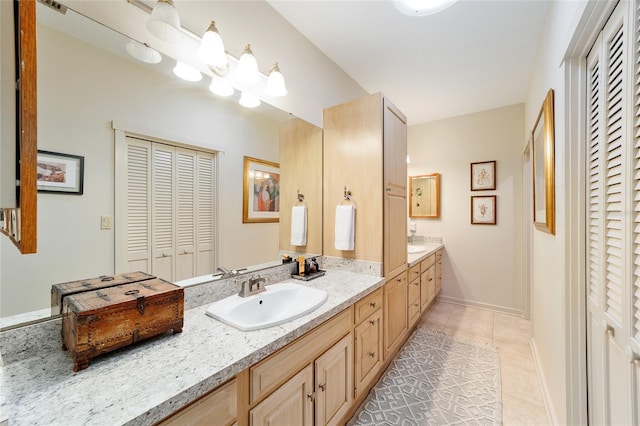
(372, 354)
(311, 396)
(416, 283)
(322, 386)
(415, 304)
(416, 272)
(430, 279)
(372, 322)
(372, 304)
(388, 188)
(399, 280)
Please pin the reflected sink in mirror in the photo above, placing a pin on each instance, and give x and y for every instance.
(280, 303)
(412, 249)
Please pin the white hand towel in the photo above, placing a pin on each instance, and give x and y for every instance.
(345, 227)
(299, 226)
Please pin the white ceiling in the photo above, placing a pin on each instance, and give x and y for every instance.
(475, 55)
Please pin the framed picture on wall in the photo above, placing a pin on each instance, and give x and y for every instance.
(261, 195)
(483, 176)
(63, 173)
(483, 210)
(543, 148)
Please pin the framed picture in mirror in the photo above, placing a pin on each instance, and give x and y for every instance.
(261, 195)
(543, 149)
(60, 172)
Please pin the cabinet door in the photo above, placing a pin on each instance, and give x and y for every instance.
(427, 287)
(218, 407)
(438, 272)
(395, 314)
(369, 349)
(290, 404)
(334, 383)
(395, 187)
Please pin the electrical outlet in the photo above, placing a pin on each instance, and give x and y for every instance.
(105, 222)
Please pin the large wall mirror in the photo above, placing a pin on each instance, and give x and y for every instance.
(424, 196)
(90, 88)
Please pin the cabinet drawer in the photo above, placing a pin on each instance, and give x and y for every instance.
(274, 370)
(425, 264)
(369, 304)
(219, 407)
(414, 290)
(414, 272)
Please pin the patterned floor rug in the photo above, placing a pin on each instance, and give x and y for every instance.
(436, 380)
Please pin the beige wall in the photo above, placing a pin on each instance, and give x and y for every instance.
(481, 265)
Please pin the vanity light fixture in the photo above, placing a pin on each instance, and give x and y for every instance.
(422, 7)
(142, 52)
(187, 72)
(220, 87)
(275, 82)
(248, 101)
(211, 50)
(164, 22)
(247, 71)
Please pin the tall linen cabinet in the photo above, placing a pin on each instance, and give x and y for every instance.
(365, 150)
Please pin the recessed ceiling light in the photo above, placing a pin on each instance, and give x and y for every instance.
(422, 7)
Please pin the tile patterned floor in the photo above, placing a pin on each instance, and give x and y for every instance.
(522, 403)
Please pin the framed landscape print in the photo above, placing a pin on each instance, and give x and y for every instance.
(60, 172)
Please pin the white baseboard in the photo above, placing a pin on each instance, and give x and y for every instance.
(546, 396)
(487, 306)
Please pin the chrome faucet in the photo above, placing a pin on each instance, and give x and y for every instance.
(225, 273)
(255, 285)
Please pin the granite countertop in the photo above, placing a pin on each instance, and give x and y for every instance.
(144, 383)
(415, 258)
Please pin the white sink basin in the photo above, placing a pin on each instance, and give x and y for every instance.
(279, 304)
(411, 249)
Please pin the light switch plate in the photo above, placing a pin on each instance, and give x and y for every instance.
(105, 222)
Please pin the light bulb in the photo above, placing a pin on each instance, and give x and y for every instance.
(164, 22)
(275, 82)
(247, 67)
(187, 72)
(143, 53)
(248, 101)
(220, 87)
(211, 50)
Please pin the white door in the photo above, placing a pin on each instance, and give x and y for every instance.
(162, 211)
(613, 223)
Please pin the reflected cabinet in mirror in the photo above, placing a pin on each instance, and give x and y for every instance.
(138, 124)
(424, 196)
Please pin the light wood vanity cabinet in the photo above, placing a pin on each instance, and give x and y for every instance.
(438, 271)
(427, 281)
(413, 291)
(368, 338)
(327, 351)
(218, 406)
(396, 324)
(289, 404)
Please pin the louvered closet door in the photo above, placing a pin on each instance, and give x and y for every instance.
(163, 212)
(612, 237)
(185, 214)
(205, 208)
(137, 203)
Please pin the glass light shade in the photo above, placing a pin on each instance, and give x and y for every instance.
(422, 7)
(249, 101)
(211, 50)
(408, 159)
(143, 53)
(247, 71)
(164, 22)
(187, 72)
(220, 87)
(275, 82)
